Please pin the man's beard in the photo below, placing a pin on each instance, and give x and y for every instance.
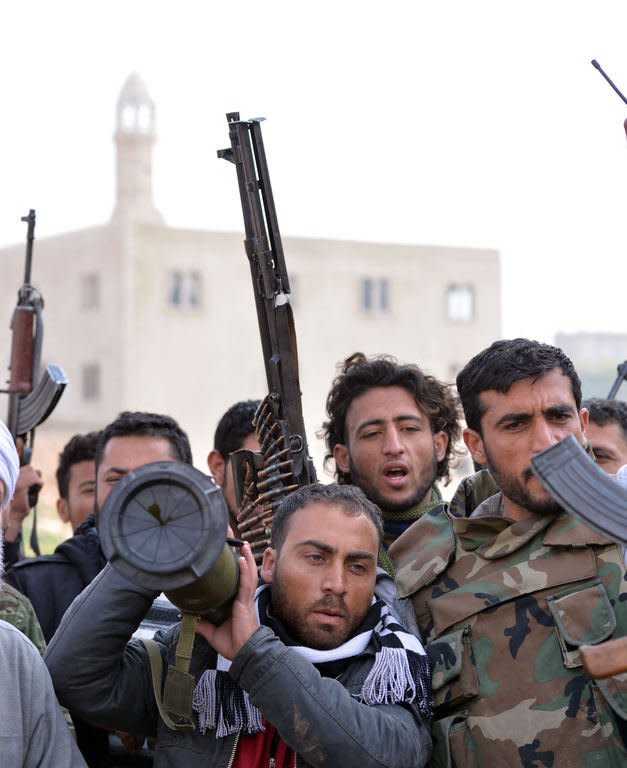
(426, 480)
(284, 610)
(514, 489)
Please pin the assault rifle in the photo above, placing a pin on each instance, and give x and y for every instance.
(621, 375)
(32, 398)
(283, 464)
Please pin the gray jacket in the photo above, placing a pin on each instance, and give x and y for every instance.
(33, 731)
(106, 679)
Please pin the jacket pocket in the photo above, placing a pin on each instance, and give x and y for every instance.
(584, 616)
(453, 675)
(452, 744)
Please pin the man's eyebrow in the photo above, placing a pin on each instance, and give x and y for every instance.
(559, 409)
(357, 554)
(401, 417)
(116, 470)
(87, 483)
(513, 416)
(317, 544)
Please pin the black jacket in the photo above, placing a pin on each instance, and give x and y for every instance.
(51, 582)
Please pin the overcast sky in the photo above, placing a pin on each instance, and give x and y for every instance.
(471, 123)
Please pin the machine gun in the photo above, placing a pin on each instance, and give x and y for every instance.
(32, 398)
(283, 464)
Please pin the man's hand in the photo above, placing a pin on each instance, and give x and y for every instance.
(229, 637)
(19, 507)
(132, 742)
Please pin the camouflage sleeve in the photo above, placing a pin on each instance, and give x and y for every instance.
(17, 609)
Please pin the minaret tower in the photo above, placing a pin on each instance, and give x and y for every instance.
(134, 138)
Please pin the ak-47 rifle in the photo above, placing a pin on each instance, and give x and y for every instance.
(32, 398)
(283, 463)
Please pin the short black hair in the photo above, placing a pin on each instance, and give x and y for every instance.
(143, 424)
(78, 448)
(358, 374)
(234, 427)
(351, 498)
(502, 364)
(604, 412)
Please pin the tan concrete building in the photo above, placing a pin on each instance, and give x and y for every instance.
(144, 316)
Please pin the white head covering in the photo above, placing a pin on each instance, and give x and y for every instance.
(9, 463)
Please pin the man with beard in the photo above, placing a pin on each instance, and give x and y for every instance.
(391, 430)
(308, 669)
(506, 588)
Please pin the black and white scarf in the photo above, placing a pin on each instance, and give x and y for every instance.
(400, 671)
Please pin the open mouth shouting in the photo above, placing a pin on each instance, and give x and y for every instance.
(395, 474)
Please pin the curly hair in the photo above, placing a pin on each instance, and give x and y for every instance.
(358, 374)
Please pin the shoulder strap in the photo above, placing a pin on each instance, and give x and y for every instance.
(175, 707)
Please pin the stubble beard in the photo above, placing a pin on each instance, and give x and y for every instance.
(425, 480)
(294, 624)
(515, 490)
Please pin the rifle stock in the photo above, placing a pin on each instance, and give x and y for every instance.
(283, 463)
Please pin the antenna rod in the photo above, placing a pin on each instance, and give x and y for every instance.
(596, 65)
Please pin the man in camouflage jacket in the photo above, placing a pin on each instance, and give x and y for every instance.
(506, 586)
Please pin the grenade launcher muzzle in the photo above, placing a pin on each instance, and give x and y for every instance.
(164, 526)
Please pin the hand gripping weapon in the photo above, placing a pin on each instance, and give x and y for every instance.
(595, 498)
(32, 398)
(283, 463)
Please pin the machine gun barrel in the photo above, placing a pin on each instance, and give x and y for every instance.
(279, 421)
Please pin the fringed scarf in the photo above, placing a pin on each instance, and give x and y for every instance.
(400, 672)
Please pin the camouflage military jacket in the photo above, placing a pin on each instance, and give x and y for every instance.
(504, 607)
(17, 610)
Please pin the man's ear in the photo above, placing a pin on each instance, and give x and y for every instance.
(216, 465)
(63, 510)
(474, 443)
(584, 418)
(267, 564)
(340, 454)
(440, 443)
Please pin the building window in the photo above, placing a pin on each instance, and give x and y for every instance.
(375, 295)
(185, 289)
(90, 291)
(460, 303)
(91, 381)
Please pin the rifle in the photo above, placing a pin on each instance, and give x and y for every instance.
(621, 376)
(283, 464)
(30, 403)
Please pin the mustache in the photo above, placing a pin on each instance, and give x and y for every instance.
(528, 473)
(330, 603)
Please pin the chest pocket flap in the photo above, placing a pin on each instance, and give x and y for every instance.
(584, 616)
